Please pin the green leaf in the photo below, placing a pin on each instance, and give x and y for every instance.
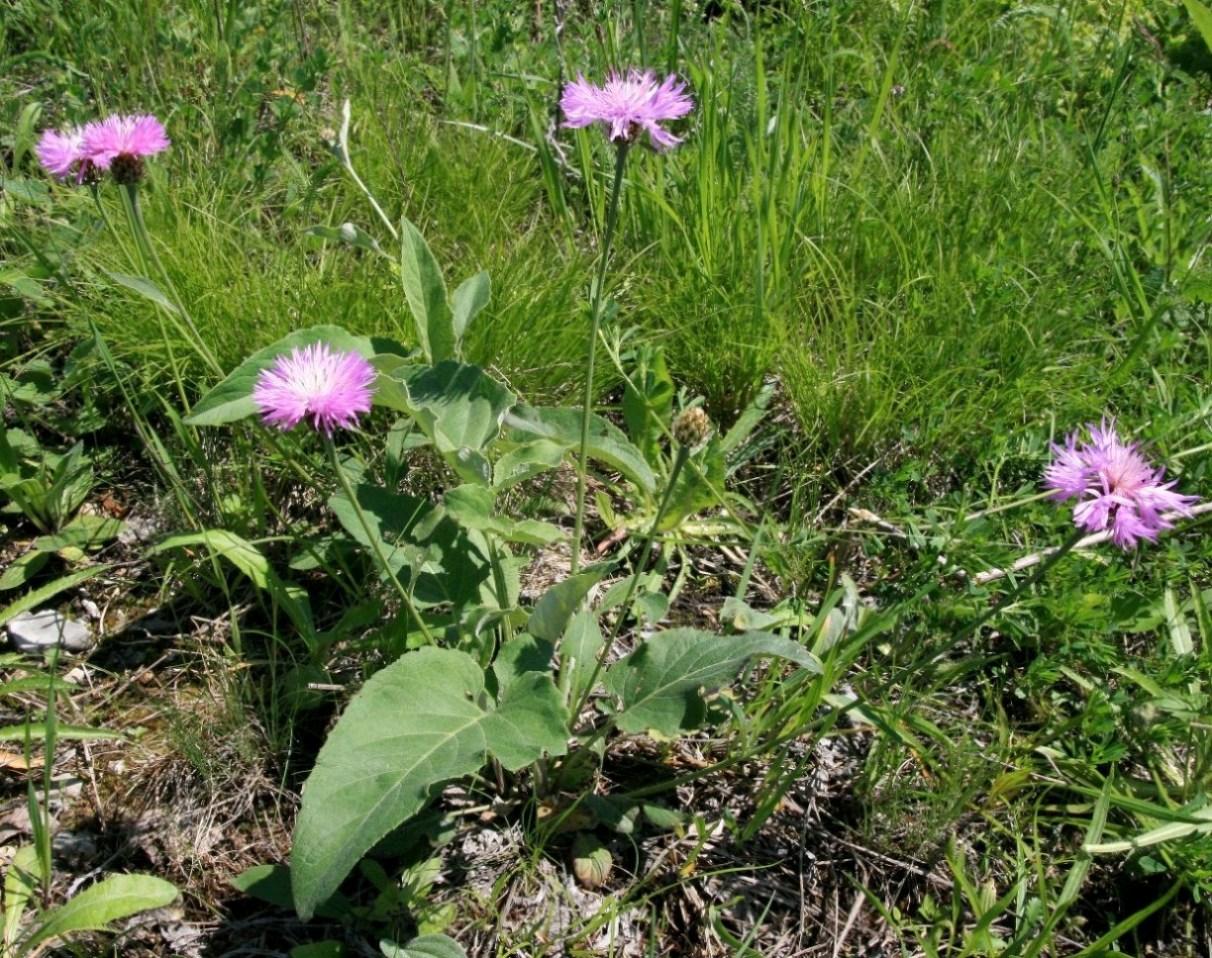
(531, 718)
(1201, 16)
(414, 725)
(457, 405)
(471, 507)
(648, 402)
(697, 487)
(469, 298)
(558, 604)
(425, 291)
(26, 190)
(144, 287)
(22, 879)
(1155, 836)
(424, 946)
(33, 599)
(579, 651)
(271, 884)
(231, 400)
(607, 443)
(657, 686)
(111, 899)
(21, 570)
(83, 532)
(390, 517)
(447, 562)
(37, 731)
(374, 773)
(748, 420)
(528, 460)
(247, 558)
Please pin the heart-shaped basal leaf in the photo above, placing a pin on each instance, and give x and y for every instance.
(231, 400)
(418, 723)
(658, 685)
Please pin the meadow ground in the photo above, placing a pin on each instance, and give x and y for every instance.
(901, 250)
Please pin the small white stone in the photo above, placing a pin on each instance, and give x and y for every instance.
(33, 632)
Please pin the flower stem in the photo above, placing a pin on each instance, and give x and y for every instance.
(150, 258)
(374, 540)
(595, 307)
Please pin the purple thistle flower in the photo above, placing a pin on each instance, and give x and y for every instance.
(1116, 487)
(62, 154)
(331, 387)
(629, 105)
(134, 136)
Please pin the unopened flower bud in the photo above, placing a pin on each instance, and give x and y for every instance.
(691, 427)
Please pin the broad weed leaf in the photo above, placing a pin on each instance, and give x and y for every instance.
(423, 720)
(658, 685)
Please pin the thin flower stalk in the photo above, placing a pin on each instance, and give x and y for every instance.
(595, 308)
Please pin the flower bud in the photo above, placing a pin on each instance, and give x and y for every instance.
(691, 427)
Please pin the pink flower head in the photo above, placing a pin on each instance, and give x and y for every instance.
(124, 136)
(62, 154)
(331, 387)
(629, 105)
(1115, 486)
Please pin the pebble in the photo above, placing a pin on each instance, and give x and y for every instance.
(38, 631)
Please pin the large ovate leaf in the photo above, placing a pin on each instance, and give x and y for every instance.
(658, 685)
(607, 443)
(231, 400)
(110, 900)
(418, 723)
(425, 291)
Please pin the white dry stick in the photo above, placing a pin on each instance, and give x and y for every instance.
(992, 575)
